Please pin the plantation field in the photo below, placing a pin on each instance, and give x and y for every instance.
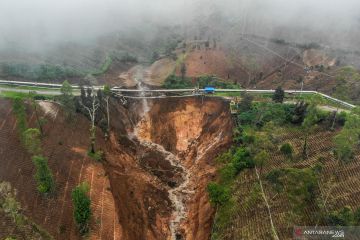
(250, 218)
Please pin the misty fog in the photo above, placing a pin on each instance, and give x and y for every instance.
(39, 24)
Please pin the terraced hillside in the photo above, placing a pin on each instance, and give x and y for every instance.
(338, 183)
(65, 145)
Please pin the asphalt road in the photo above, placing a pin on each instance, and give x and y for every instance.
(42, 92)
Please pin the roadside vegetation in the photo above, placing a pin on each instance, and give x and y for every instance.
(178, 82)
(260, 133)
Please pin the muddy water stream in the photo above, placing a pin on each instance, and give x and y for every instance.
(179, 193)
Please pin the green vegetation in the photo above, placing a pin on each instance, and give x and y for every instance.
(346, 84)
(20, 114)
(127, 58)
(232, 163)
(287, 149)
(43, 175)
(219, 194)
(103, 68)
(213, 81)
(298, 185)
(67, 99)
(279, 95)
(258, 132)
(347, 141)
(24, 95)
(82, 210)
(97, 155)
(41, 73)
(311, 119)
(344, 217)
(55, 73)
(176, 82)
(40, 120)
(32, 140)
(261, 113)
(11, 208)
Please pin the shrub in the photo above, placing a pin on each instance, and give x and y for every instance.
(299, 186)
(343, 217)
(299, 112)
(219, 195)
(19, 111)
(176, 82)
(279, 95)
(228, 173)
(213, 81)
(82, 210)
(97, 156)
(245, 103)
(287, 149)
(242, 159)
(32, 140)
(127, 58)
(43, 175)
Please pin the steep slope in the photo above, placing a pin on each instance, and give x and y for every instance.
(195, 132)
(134, 191)
(65, 145)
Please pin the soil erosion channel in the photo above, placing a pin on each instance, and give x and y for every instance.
(185, 135)
(179, 193)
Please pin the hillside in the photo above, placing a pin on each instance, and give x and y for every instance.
(129, 191)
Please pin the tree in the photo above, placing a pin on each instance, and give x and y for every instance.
(32, 140)
(309, 122)
(8, 202)
(39, 120)
(91, 108)
(348, 139)
(43, 175)
(260, 159)
(218, 194)
(279, 95)
(183, 71)
(245, 103)
(20, 114)
(67, 99)
(299, 112)
(81, 204)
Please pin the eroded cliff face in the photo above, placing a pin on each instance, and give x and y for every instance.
(152, 184)
(181, 138)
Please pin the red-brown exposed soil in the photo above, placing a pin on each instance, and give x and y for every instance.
(65, 145)
(197, 132)
(207, 62)
(129, 191)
